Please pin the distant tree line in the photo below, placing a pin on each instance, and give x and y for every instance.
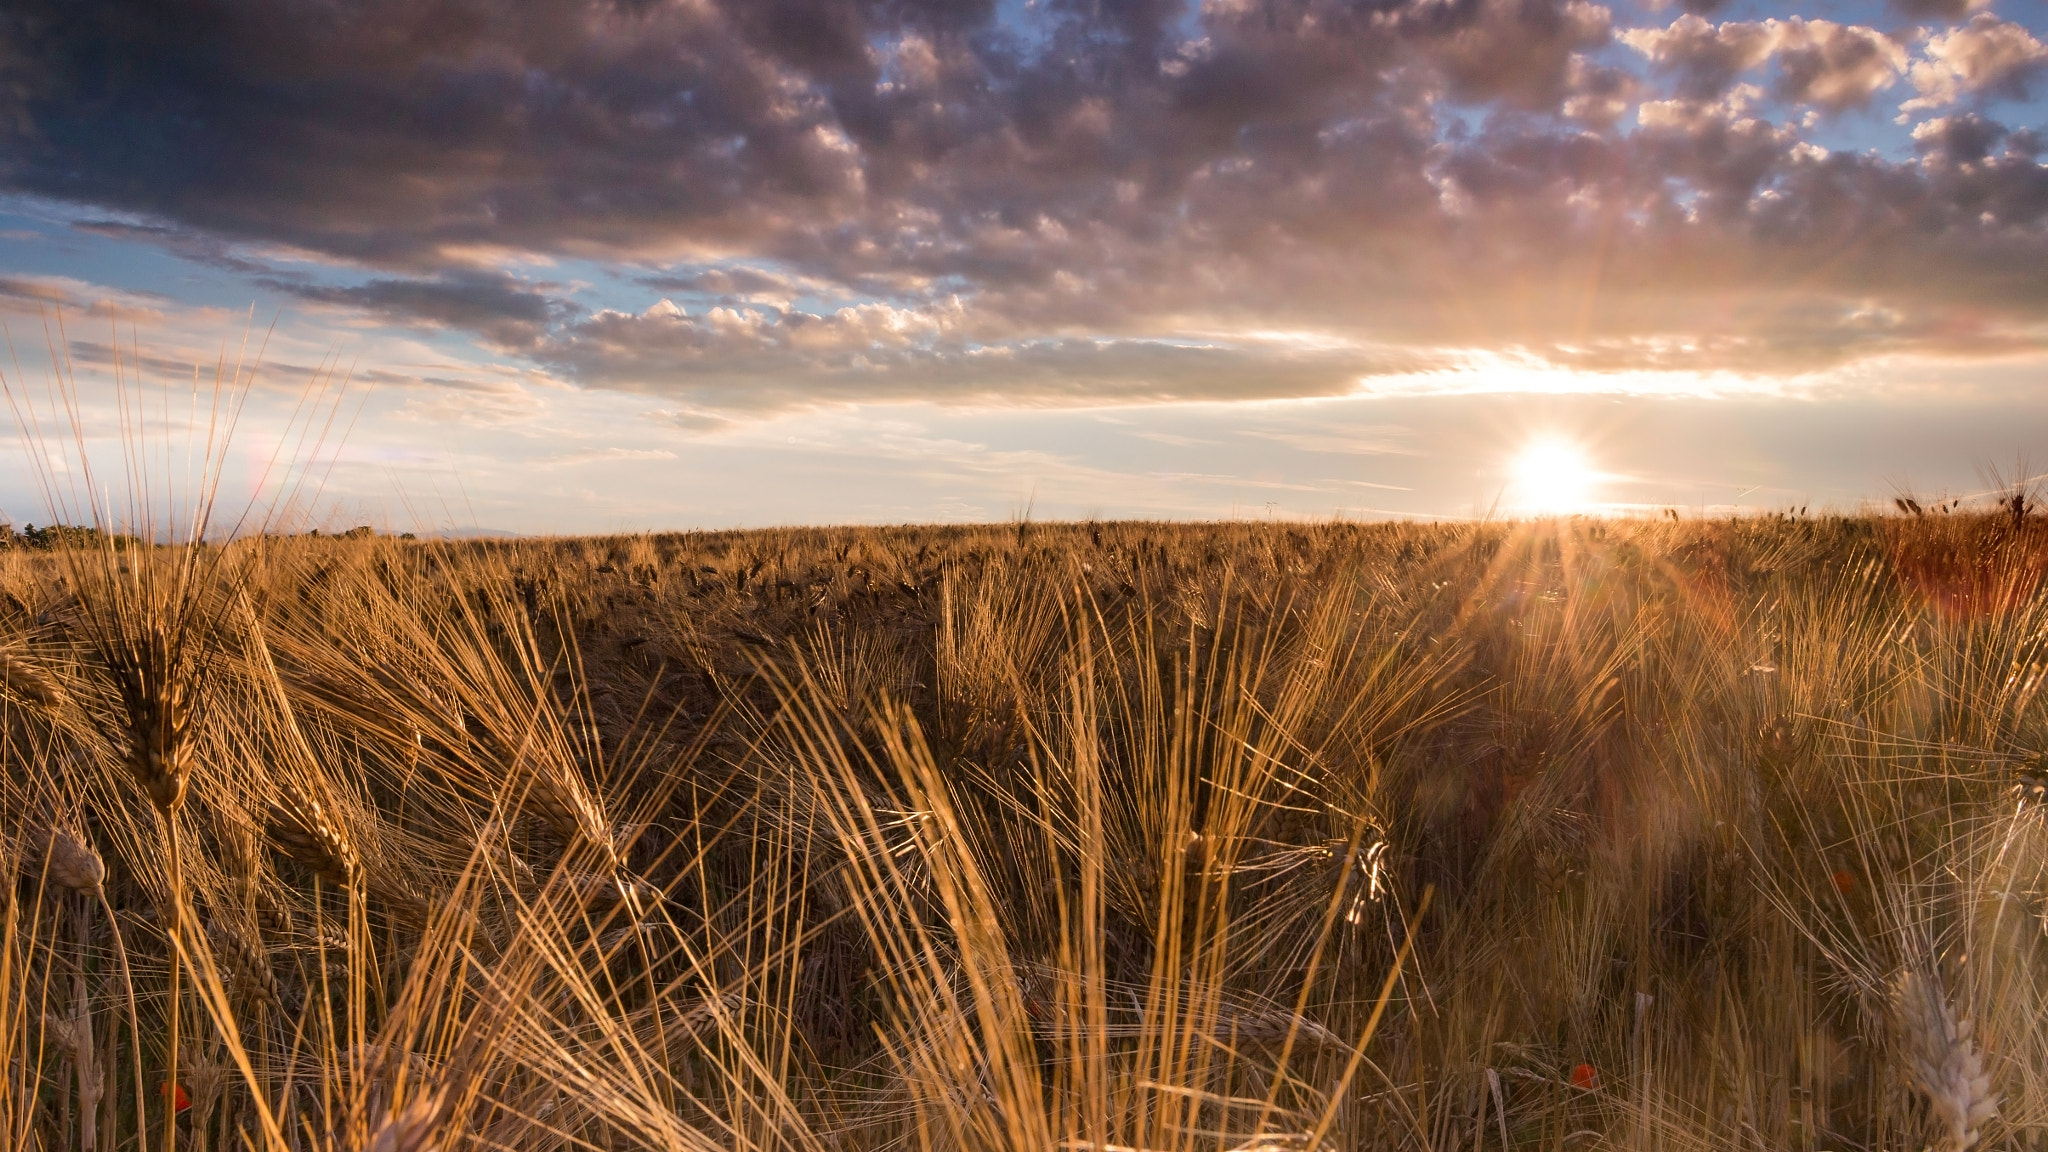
(55, 536)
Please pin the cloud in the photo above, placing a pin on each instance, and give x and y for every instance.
(1516, 52)
(187, 243)
(1832, 66)
(1174, 439)
(761, 359)
(739, 284)
(1986, 57)
(1835, 66)
(1598, 96)
(480, 401)
(108, 308)
(509, 312)
(55, 297)
(1943, 9)
(35, 290)
(1704, 57)
(398, 132)
(603, 455)
(1363, 440)
(812, 202)
(1965, 139)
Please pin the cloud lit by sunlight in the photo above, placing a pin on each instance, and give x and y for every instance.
(1478, 373)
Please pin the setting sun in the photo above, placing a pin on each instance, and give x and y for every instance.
(1551, 476)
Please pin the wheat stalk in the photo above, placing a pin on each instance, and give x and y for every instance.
(72, 863)
(74, 1037)
(75, 865)
(554, 790)
(562, 802)
(152, 666)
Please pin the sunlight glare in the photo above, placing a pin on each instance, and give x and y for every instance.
(1551, 476)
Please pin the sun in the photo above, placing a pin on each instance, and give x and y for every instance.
(1552, 476)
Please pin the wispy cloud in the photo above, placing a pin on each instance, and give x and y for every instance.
(1369, 440)
(602, 456)
(1174, 439)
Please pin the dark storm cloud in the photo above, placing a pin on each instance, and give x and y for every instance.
(1094, 196)
(392, 130)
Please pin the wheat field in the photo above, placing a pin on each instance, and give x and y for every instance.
(1561, 834)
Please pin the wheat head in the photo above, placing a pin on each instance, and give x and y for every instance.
(1942, 1061)
(304, 831)
(73, 862)
(28, 684)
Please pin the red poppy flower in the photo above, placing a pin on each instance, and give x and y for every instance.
(1586, 1076)
(180, 1102)
(1845, 881)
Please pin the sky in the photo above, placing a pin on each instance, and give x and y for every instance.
(620, 265)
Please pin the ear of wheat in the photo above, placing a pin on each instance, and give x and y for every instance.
(206, 1078)
(28, 684)
(495, 851)
(554, 791)
(413, 1129)
(73, 863)
(304, 830)
(1942, 1060)
(67, 1035)
(151, 671)
(247, 964)
(560, 799)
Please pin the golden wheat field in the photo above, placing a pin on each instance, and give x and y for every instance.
(1562, 834)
